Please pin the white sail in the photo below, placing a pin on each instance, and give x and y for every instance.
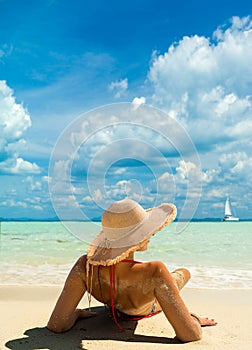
(228, 210)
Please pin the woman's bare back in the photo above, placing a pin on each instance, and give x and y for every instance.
(134, 287)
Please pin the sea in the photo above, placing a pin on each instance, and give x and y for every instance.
(218, 254)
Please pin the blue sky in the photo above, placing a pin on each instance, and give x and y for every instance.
(59, 60)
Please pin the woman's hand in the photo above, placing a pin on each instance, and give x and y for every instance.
(204, 321)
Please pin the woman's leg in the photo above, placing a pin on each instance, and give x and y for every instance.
(181, 276)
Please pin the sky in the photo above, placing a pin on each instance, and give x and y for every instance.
(105, 99)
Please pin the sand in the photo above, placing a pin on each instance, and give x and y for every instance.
(25, 311)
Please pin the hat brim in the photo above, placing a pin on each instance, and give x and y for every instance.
(99, 253)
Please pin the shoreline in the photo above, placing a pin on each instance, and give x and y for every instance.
(26, 309)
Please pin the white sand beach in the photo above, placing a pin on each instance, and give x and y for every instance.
(25, 311)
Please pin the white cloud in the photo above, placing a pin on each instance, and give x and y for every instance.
(34, 185)
(209, 176)
(166, 184)
(38, 207)
(217, 193)
(185, 168)
(13, 203)
(197, 63)
(97, 195)
(14, 118)
(46, 179)
(138, 101)
(22, 167)
(87, 199)
(28, 203)
(238, 164)
(119, 87)
(66, 201)
(14, 121)
(207, 83)
(119, 171)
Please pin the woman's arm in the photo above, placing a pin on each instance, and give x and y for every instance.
(187, 327)
(65, 313)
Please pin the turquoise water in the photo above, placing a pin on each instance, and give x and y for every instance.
(218, 254)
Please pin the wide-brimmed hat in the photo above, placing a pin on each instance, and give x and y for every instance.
(125, 227)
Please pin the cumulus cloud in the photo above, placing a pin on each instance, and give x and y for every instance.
(13, 203)
(28, 203)
(239, 165)
(34, 184)
(205, 63)
(22, 166)
(138, 101)
(205, 83)
(119, 87)
(14, 121)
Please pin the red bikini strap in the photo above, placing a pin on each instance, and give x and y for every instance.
(113, 288)
(112, 295)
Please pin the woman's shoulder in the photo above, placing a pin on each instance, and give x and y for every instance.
(81, 264)
(82, 259)
(152, 265)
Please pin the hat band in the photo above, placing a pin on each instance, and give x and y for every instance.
(116, 233)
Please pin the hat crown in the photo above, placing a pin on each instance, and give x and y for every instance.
(123, 214)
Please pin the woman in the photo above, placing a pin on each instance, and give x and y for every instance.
(109, 273)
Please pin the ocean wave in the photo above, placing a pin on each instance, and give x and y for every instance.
(220, 278)
(53, 274)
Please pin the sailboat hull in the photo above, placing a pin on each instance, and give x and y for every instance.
(230, 218)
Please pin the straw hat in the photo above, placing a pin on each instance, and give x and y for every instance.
(125, 226)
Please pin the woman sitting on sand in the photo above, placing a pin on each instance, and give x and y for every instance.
(132, 289)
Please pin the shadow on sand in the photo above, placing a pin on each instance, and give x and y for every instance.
(96, 328)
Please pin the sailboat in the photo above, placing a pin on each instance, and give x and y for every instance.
(228, 212)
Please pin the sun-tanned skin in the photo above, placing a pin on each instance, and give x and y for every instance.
(137, 287)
